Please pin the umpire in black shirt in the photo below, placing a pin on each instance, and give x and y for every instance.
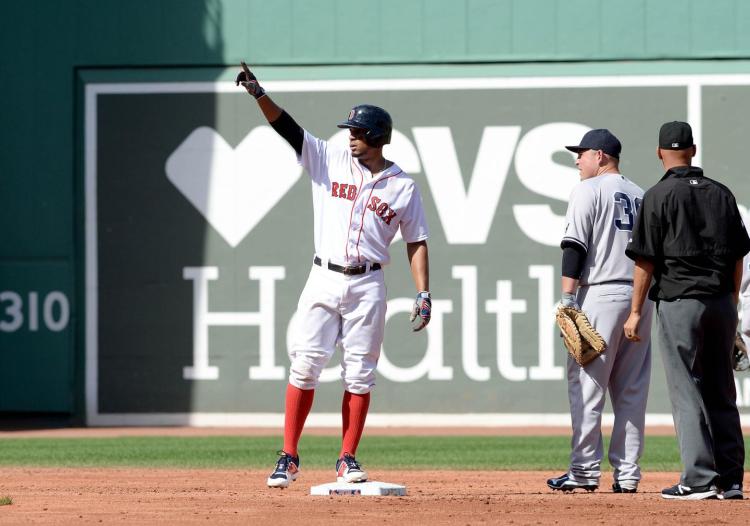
(689, 237)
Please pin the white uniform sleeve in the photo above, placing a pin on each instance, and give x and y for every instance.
(579, 220)
(314, 156)
(413, 223)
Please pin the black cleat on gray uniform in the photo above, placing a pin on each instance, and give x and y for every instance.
(565, 483)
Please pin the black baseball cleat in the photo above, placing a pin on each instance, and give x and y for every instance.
(564, 483)
(617, 488)
(680, 492)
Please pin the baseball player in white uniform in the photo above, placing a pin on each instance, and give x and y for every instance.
(360, 201)
(597, 276)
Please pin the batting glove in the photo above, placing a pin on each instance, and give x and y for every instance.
(249, 82)
(421, 312)
(569, 300)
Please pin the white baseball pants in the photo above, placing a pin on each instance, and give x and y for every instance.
(336, 308)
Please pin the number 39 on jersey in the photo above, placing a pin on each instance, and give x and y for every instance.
(626, 208)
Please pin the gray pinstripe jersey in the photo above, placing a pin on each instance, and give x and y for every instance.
(600, 217)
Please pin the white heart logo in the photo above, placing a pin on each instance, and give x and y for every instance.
(233, 188)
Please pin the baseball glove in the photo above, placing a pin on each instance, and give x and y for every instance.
(582, 341)
(740, 361)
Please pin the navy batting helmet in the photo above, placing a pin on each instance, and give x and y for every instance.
(374, 120)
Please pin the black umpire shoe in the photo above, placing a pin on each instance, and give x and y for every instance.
(564, 483)
(680, 492)
(733, 492)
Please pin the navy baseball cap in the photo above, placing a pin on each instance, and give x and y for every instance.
(675, 135)
(599, 139)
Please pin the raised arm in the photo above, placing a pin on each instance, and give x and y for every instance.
(279, 119)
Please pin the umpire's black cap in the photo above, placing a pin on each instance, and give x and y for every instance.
(675, 135)
(599, 139)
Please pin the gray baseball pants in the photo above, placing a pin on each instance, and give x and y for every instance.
(624, 370)
(697, 338)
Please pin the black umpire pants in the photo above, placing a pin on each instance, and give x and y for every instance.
(696, 339)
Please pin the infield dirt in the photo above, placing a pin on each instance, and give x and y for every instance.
(210, 496)
(177, 496)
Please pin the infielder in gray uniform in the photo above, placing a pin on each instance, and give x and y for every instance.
(597, 276)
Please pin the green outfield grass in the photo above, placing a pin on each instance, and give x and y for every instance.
(375, 452)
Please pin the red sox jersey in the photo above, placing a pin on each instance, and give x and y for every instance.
(356, 215)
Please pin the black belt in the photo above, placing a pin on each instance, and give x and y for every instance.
(349, 271)
(611, 282)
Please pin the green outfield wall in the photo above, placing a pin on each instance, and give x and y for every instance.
(158, 233)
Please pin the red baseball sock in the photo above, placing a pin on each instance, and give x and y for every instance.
(298, 405)
(353, 414)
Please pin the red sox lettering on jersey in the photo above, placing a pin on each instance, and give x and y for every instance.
(357, 213)
(349, 191)
(344, 191)
(385, 212)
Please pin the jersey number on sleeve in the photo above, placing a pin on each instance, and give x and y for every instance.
(625, 210)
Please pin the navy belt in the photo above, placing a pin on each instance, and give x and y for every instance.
(349, 271)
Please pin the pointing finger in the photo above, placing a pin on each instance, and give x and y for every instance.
(248, 74)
